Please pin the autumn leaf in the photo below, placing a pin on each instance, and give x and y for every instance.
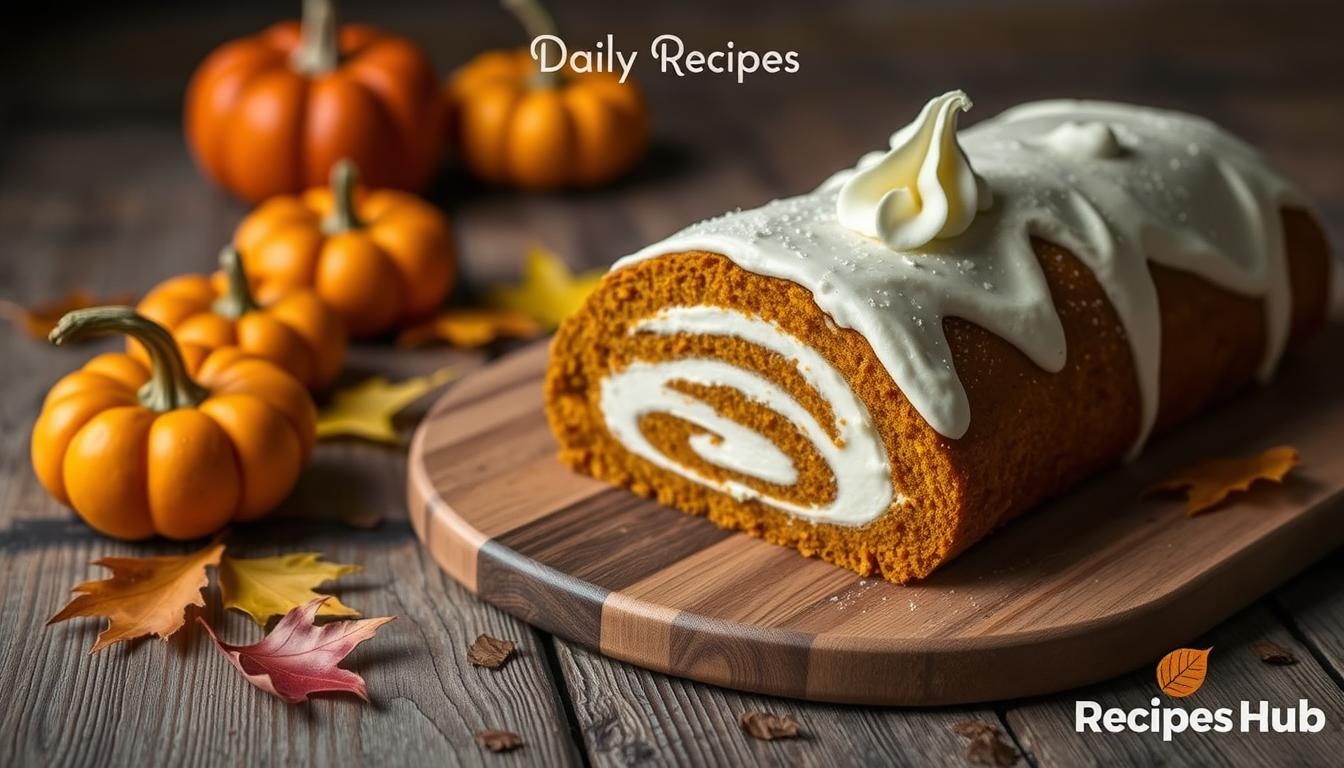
(549, 292)
(366, 409)
(263, 587)
(1207, 484)
(498, 741)
(1181, 672)
(144, 596)
(490, 652)
(1273, 653)
(768, 727)
(37, 320)
(985, 745)
(298, 658)
(469, 328)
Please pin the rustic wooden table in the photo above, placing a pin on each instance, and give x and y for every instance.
(97, 191)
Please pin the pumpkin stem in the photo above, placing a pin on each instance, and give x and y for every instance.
(344, 180)
(537, 21)
(237, 301)
(319, 42)
(170, 386)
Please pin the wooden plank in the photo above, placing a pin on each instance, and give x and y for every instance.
(71, 219)
(1085, 587)
(1045, 728)
(1313, 606)
(630, 716)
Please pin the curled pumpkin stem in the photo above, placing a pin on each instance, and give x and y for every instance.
(170, 386)
(537, 22)
(319, 43)
(238, 300)
(344, 180)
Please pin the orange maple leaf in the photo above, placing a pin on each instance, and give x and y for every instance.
(468, 328)
(144, 596)
(1181, 672)
(37, 320)
(1207, 484)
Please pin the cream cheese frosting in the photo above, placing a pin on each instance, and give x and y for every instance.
(923, 189)
(1116, 185)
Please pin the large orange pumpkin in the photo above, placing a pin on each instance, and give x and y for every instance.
(517, 126)
(178, 448)
(269, 114)
(379, 257)
(291, 327)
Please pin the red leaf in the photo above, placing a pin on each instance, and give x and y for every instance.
(298, 658)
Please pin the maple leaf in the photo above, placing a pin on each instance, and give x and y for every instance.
(469, 328)
(144, 596)
(37, 320)
(1207, 484)
(549, 292)
(263, 587)
(366, 409)
(299, 658)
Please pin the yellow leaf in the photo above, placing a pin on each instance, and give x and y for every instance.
(37, 320)
(263, 587)
(366, 409)
(470, 328)
(1207, 484)
(144, 596)
(549, 292)
(1181, 672)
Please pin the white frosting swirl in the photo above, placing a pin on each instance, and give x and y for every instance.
(1177, 191)
(924, 188)
(857, 457)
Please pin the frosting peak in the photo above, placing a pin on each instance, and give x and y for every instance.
(922, 189)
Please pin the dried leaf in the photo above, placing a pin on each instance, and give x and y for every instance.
(490, 652)
(298, 658)
(1207, 484)
(549, 292)
(499, 741)
(366, 409)
(144, 596)
(37, 320)
(364, 518)
(1273, 653)
(470, 328)
(263, 587)
(768, 727)
(1181, 672)
(972, 728)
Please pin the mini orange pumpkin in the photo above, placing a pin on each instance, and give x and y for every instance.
(291, 327)
(139, 451)
(517, 126)
(269, 114)
(380, 258)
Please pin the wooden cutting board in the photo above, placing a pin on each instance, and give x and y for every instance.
(1092, 585)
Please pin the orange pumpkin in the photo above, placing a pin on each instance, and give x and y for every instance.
(291, 327)
(269, 114)
(517, 126)
(142, 450)
(380, 258)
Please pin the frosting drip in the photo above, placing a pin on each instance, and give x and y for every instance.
(924, 188)
(1116, 185)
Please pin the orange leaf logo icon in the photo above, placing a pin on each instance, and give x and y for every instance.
(1181, 672)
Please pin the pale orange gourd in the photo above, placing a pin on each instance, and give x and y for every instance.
(517, 126)
(142, 450)
(379, 258)
(269, 114)
(291, 327)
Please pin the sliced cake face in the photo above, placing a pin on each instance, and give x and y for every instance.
(881, 371)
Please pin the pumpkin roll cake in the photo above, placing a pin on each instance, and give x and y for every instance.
(882, 371)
